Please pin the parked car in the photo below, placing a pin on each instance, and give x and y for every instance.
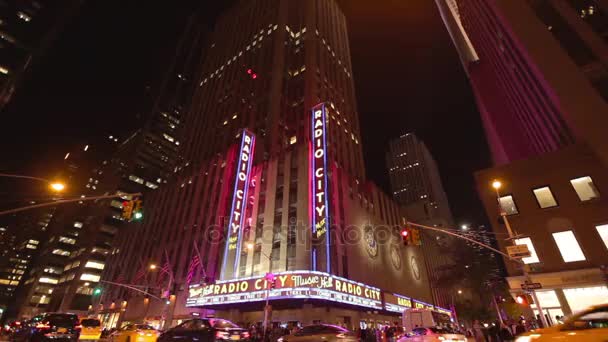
(432, 334)
(49, 327)
(320, 332)
(204, 330)
(135, 333)
(589, 325)
(90, 329)
(11, 327)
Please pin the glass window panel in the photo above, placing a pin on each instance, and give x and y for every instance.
(585, 189)
(544, 197)
(568, 246)
(583, 297)
(547, 299)
(508, 205)
(603, 231)
(533, 258)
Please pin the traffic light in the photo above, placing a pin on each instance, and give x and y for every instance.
(138, 212)
(97, 291)
(127, 210)
(405, 236)
(415, 237)
(522, 300)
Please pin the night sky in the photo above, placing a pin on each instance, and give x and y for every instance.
(93, 82)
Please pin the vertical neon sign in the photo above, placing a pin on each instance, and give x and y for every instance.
(318, 177)
(239, 203)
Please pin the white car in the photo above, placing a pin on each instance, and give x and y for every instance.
(432, 335)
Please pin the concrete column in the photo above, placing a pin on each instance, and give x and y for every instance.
(563, 302)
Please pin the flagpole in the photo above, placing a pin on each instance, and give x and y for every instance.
(200, 257)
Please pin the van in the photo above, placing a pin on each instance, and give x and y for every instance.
(424, 318)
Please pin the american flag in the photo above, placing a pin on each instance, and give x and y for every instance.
(165, 270)
(194, 263)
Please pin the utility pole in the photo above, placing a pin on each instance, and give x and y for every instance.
(496, 185)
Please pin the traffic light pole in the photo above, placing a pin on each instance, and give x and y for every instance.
(528, 279)
(65, 201)
(526, 275)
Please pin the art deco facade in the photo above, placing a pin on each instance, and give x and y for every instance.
(273, 181)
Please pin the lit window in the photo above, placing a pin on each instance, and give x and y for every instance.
(24, 16)
(61, 252)
(78, 224)
(533, 258)
(67, 240)
(603, 231)
(48, 280)
(95, 264)
(508, 205)
(584, 188)
(568, 246)
(293, 140)
(136, 179)
(544, 197)
(90, 277)
(168, 137)
(151, 185)
(4, 71)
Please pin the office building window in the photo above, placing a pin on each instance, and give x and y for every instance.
(508, 205)
(603, 231)
(568, 246)
(585, 189)
(533, 258)
(544, 197)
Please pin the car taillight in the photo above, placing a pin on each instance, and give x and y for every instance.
(340, 336)
(222, 335)
(43, 326)
(245, 334)
(78, 327)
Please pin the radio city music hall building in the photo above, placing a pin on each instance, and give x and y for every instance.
(274, 182)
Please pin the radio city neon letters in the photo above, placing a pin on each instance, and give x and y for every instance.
(318, 194)
(239, 202)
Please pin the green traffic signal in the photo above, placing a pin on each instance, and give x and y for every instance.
(138, 215)
(97, 291)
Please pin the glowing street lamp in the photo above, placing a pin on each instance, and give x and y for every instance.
(57, 186)
(496, 184)
(152, 267)
(464, 227)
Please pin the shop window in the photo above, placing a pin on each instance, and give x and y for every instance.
(585, 189)
(603, 231)
(544, 197)
(568, 246)
(583, 297)
(507, 203)
(533, 258)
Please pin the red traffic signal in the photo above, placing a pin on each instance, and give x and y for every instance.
(521, 300)
(405, 233)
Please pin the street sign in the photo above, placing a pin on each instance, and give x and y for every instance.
(518, 251)
(531, 286)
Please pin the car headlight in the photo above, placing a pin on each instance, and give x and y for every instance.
(527, 338)
(280, 339)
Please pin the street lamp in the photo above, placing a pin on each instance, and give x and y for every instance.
(268, 276)
(496, 184)
(57, 186)
(464, 227)
(459, 291)
(152, 267)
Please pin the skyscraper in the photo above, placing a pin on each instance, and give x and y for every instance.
(538, 72)
(415, 178)
(26, 30)
(272, 182)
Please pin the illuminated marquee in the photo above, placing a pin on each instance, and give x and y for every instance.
(396, 303)
(239, 203)
(293, 284)
(318, 172)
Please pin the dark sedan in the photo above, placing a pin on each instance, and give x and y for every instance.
(205, 329)
(49, 327)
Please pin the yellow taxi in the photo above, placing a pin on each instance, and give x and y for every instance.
(90, 329)
(589, 325)
(135, 333)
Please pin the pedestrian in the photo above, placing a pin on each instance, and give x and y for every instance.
(504, 333)
(520, 328)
